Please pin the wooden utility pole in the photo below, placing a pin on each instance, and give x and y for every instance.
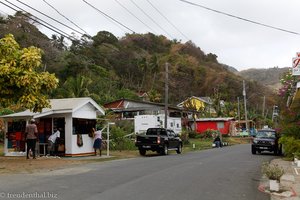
(263, 108)
(245, 105)
(239, 113)
(166, 94)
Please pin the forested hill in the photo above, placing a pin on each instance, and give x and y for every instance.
(106, 68)
(269, 77)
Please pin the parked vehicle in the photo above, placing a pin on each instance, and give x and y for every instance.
(160, 140)
(143, 122)
(266, 140)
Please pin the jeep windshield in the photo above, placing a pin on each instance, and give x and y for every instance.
(266, 134)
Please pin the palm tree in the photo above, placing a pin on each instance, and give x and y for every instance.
(77, 86)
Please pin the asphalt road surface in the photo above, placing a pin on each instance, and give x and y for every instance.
(229, 173)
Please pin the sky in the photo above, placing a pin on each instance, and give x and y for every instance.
(237, 43)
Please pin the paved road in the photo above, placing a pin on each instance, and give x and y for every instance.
(231, 173)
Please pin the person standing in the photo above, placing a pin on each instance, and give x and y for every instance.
(52, 141)
(31, 137)
(97, 141)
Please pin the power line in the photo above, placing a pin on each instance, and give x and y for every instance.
(106, 15)
(52, 29)
(133, 15)
(168, 20)
(151, 18)
(65, 16)
(40, 20)
(240, 18)
(49, 17)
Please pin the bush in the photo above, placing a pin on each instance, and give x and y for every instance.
(184, 137)
(291, 145)
(192, 134)
(210, 133)
(119, 142)
(272, 171)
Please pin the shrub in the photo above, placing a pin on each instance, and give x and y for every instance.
(184, 137)
(272, 171)
(119, 142)
(192, 134)
(291, 145)
(210, 133)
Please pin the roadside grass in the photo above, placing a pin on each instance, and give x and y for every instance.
(206, 143)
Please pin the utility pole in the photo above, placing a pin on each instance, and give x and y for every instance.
(239, 114)
(263, 108)
(245, 105)
(166, 94)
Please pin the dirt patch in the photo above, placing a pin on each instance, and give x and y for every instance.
(22, 165)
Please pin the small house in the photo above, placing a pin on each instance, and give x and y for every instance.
(224, 125)
(75, 117)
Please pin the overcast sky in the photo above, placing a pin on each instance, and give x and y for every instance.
(237, 43)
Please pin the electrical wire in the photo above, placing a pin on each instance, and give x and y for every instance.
(65, 17)
(167, 20)
(106, 15)
(240, 18)
(49, 17)
(134, 15)
(56, 30)
(151, 18)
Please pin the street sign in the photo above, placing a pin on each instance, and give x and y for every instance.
(296, 65)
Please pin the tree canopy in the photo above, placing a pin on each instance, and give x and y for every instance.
(20, 81)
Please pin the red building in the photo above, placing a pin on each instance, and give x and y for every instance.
(224, 125)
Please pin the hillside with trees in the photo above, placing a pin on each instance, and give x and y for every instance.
(107, 68)
(269, 77)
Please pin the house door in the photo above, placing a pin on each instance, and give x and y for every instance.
(59, 123)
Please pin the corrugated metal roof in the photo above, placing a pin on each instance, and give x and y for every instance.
(67, 105)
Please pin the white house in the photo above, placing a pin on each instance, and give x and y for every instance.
(75, 117)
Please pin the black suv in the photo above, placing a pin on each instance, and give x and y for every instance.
(266, 140)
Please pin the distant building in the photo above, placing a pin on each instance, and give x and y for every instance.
(225, 125)
(128, 108)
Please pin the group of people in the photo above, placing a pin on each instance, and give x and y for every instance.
(31, 135)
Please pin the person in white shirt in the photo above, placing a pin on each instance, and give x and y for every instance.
(51, 142)
(97, 141)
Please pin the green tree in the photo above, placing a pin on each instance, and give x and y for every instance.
(77, 86)
(20, 81)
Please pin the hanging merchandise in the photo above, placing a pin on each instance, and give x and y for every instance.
(79, 140)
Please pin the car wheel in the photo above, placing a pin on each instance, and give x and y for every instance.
(142, 152)
(164, 150)
(179, 149)
(253, 150)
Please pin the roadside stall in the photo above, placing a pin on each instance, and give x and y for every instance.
(73, 117)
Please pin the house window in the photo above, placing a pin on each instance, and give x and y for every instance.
(83, 126)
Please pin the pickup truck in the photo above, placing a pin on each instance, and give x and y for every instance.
(160, 140)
